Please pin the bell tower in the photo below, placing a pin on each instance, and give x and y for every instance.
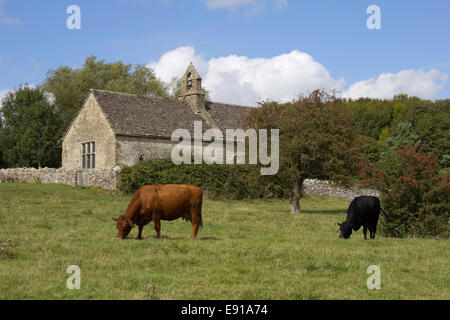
(191, 89)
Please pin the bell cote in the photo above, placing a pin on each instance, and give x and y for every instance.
(191, 89)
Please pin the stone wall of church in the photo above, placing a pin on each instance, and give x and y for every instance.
(90, 126)
(129, 149)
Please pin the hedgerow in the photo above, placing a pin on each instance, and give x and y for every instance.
(218, 181)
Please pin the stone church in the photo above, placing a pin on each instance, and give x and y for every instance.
(116, 129)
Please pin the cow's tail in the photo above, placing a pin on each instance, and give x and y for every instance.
(385, 215)
(200, 220)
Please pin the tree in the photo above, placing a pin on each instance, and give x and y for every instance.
(414, 194)
(370, 148)
(378, 119)
(371, 116)
(29, 136)
(317, 139)
(404, 133)
(69, 87)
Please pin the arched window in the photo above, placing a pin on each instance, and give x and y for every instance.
(189, 81)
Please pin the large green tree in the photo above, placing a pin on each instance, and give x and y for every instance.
(317, 139)
(379, 119)
(70, 86)
(371, 116)
(29, 133)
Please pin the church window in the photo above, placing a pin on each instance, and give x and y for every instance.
(189, 81)
(88, 155)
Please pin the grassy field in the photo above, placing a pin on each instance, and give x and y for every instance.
(246, 250)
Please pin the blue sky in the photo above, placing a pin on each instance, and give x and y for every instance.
(246, 50)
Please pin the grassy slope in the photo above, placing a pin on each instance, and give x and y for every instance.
(246, 250)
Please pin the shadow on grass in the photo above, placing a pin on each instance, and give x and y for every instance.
(199, 238)
(333, 211)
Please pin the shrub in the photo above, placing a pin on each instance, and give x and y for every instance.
(219, 181)
(414, 194)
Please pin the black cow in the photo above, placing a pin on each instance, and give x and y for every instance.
(363, 211)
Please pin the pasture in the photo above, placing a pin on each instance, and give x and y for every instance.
(246, 250)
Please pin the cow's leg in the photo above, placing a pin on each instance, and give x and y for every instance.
(365, 232)
(373, 230)
(157, 221)
(141, 227)
(195, 227)
(195, 220)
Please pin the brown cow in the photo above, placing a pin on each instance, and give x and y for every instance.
(162, 202)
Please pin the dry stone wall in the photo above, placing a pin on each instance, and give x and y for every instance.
(323, 187)
(108, 178)
(103, 178)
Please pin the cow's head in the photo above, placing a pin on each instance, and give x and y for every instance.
(124, 225)
(346, 230)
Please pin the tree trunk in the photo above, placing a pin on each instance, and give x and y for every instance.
(295, 196)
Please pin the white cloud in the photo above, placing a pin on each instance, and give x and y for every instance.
(174, 63)
(242, 80)
(279, 78)
(387, 85)
(6, 20)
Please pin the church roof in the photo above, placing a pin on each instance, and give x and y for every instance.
(138, 115)
(227, 116)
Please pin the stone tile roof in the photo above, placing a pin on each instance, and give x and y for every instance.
(138, 115)
(227, 116)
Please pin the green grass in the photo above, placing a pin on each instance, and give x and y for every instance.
(246, 250)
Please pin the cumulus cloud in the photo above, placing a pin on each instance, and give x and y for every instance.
(280, 78)
(6, 20)
(174, 63)
(387, 85)
(243, 80)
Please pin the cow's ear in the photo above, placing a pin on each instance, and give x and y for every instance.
(115, 219)
(339, 224)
